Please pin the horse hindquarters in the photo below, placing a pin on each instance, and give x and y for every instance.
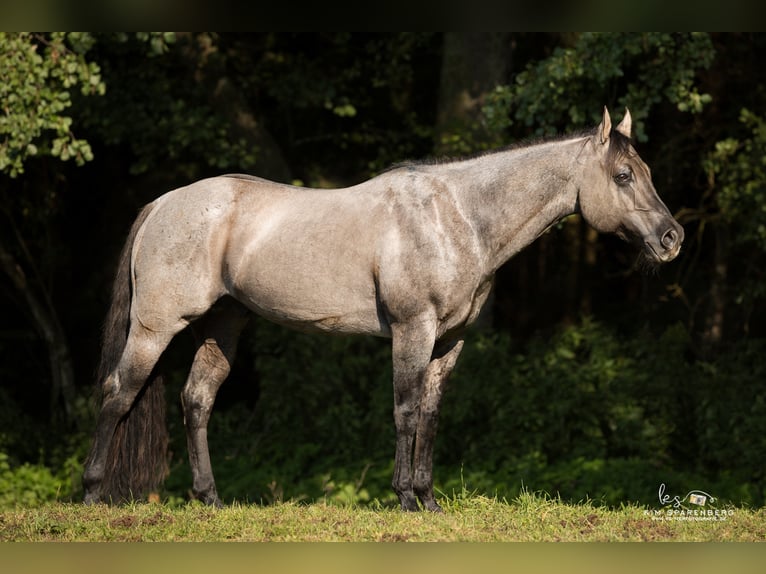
(127, 457)
(170, 273)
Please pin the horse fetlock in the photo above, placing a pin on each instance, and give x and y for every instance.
(423, 487)
(409, 502)
(403, 489)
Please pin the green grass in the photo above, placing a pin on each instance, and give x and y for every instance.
(469, 518)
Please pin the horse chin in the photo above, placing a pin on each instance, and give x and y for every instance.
(648, 262)
(650, 258)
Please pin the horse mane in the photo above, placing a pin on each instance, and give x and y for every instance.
(619, 147)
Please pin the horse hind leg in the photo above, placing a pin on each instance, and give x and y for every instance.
(108, 475)
(218, 333)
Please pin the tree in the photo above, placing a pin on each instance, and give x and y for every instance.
(37, 75)
(736, 170)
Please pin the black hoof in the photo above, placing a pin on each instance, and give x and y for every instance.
(409, 503)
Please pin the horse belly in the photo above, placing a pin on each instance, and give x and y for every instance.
(311, 284)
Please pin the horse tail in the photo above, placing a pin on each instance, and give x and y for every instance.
(137, 460)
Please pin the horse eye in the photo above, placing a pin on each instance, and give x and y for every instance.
(623, 177)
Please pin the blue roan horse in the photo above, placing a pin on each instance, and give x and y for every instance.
(409, 255)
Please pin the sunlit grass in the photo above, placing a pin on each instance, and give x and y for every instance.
(467, 517)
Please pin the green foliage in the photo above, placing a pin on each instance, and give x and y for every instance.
(736, 173)
(737, 169)
(731, 412)
(171, 114)
(568, 89)
(38, 463)
(207, 103)
(37, 75)
(588, 414)
(32, 485)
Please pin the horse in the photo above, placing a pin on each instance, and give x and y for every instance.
(408, 255)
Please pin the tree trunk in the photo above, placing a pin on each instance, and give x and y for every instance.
(62, 394)
(712, 335)
(226, 97)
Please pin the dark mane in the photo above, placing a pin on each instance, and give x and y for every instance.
(443, 160)
(619, 147)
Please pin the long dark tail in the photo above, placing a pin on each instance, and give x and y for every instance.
(137, 462)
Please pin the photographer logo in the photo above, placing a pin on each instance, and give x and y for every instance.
(696, 505)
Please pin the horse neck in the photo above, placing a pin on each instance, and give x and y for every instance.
(512, 197)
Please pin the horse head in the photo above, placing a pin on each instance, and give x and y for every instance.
(616, 194)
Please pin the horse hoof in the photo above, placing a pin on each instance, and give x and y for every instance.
(213, 501)
(432, 506)
(409, 504)
(91, 498)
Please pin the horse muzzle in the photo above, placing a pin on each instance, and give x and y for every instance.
(666, 247)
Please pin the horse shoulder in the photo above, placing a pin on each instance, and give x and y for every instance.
(430, 253)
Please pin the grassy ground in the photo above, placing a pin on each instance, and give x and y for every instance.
(471, 519)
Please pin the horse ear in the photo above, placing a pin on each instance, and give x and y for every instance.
(605, 127)
(624, 126)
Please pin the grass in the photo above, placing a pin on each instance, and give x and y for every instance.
(467, 518)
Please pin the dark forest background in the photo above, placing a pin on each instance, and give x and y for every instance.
(587, 377)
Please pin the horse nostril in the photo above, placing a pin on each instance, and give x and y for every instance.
(669, 239)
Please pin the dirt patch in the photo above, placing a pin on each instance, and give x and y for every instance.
(157, 518)
(393, 537)
(648, 530)
(123, 522)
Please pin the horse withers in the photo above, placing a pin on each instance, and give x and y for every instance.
(409, 255)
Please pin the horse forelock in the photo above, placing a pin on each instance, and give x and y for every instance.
(619, 148)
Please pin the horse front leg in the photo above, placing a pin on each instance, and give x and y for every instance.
(438, 371)
(218, 334)
(412, 345)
